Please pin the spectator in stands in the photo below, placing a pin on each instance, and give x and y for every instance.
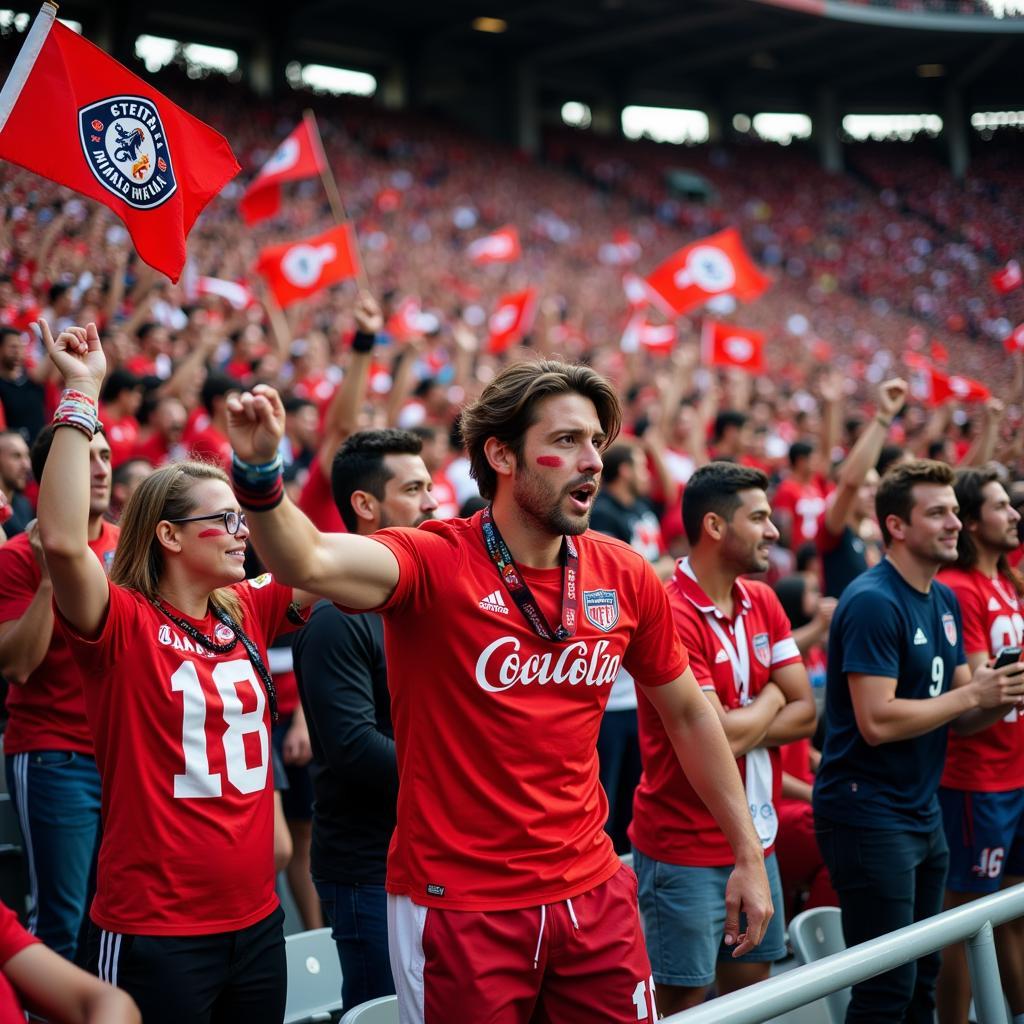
(747, 664)
(982, 790)
(123, 483)
(21, 393)
(119, 404)
(379, 480)
(846, 535)
(499, 835)
(33, 977)
(302, 432)
(897, 676)
(731, 437)
(154, 352)
(185, 915)
(210, 444)
(160, 441)
(48, 745)
(15, 467)
(435, 455)
(800, 499)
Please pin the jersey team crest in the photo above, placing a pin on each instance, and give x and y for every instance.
(949, 627)
(601, 608)
(125, 148)
(762, 649)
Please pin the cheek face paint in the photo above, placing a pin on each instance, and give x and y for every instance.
(211, 533)
(551, 461)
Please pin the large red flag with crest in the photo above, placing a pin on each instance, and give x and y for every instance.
(298, 156)
(71, 113)
(716, 265)
(512, 318)
(297, 270)
(728, 345)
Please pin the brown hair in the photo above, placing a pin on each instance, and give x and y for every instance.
(508, 408)
(970, 486)
(895, 495)
(167, 493)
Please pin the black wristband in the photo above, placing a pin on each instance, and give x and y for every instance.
(363, 342)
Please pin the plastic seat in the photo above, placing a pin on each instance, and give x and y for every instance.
(816, 934)
(375, 1011)
(314, 977)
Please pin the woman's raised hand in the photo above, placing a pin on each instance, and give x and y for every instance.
(78, 355)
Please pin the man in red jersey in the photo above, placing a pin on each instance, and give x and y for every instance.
(982, 790)
(503, 635)
(745, 660)
(800, 499)
(51, 768)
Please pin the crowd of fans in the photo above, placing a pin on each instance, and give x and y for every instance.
(866, 266)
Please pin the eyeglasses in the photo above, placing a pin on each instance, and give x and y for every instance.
(232, 520)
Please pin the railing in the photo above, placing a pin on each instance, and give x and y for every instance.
(973, 922)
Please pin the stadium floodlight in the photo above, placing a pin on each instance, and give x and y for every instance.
(493, 25)
(665, 124)
(576, 114)
(782, 128)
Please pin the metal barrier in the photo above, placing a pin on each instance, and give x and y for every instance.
(973, 922)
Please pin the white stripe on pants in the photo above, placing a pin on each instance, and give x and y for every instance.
(405, 946)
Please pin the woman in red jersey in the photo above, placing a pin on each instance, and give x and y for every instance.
(172, 655)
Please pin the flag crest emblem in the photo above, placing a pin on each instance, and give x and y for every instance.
(949, 627)
(601, 608)
(125, 147)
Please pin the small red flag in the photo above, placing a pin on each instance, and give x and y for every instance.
(298, 156)
(935, 387)
(1009, 278)
(236, 294)
(639, 334)
(1014, 341)
(511, 320)
(727, 345)
(71, 113)
(501, 247)
(716, 265)
(296, 270)
(406, 322)
(623, 250)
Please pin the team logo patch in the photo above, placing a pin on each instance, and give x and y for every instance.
(223, 634)
(125, 148)
(762, 649)
(601, 607)
(949, 628)
(260, 581)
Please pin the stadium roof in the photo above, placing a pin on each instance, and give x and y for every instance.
(724, 55)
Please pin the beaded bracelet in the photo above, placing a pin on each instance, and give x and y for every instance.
(77, 409)
(258, 487)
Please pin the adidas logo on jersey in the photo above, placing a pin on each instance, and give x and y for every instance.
(721, 656)
(919, 637)
(494, 602)
(993, 604)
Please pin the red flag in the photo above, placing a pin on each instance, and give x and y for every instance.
(297, 270)
(621, 251)
(1009, 278)
(727, 345)
(298, 156)
(659, 338)
(501, 247)
(511, 319)
(74, 115)
(935, 387)
(1014, 341)
(406, 321)
(236, 294)
(716, 265)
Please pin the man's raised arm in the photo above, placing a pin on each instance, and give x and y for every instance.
(354, 571)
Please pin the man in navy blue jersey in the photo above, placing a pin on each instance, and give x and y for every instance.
(897, 676)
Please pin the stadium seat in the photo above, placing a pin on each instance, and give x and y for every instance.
(816, 934)
(314, 977)
(377, 1011)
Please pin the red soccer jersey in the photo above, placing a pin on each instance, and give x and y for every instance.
(183, 748)
(500, 806)
(317, 501)
(210, 445)
(670, 822)
(990, 761)
(122, 436)
(48, 712)
(13, 939)
(804, 504)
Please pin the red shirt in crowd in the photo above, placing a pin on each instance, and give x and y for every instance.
(992, 760)
(500, 805)
(670, 822)
(210, 445)
(182, 741)
(317, 501)
(804, 503)
(13, 939)
(122, 436)
(444, 494)
(48, 711)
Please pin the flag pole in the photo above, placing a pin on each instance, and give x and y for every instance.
(331, 188)
(26, 60)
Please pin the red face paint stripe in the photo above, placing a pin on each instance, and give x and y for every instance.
(549, 460)
(211, 533)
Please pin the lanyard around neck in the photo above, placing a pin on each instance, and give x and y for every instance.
(520, 591)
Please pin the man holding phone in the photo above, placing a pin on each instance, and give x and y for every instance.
(982, 790)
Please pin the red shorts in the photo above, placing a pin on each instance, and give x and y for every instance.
(583, 959)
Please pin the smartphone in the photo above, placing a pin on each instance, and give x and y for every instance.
(1007, 656)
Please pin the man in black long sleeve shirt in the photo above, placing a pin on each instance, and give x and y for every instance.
(378, 480)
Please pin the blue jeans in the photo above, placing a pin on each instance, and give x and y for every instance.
(887, 880)
(358, 915)
(57, 796)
